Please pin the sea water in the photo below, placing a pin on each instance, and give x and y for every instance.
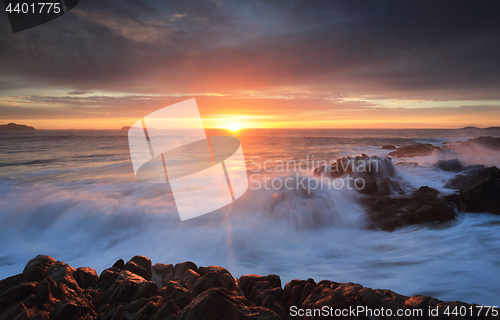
(73, 195)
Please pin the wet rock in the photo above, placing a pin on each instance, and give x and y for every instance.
(224, 276)
(482, 197)
(417, 150)
(74, 308)
(219, 303)
(106, 279)
(450, 165)
(86, 277)
(472, 176)
(147, 312)
(119, 264)
(265, 291)
(209, 280)
(39, 262)
(146, 289)
(179, 292)
(123, 288)
(168, 309)
(16, 293)
(423, 205)
(359, 166)
(163, 274)
(139, 265)
(387, 147)
(215, 294)
(485, 141)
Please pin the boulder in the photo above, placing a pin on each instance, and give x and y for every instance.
(449, 165)
(359, 166)
(139, 265)
(417, 150)
(387, 147)
(423, 205)
(482, 197)
(222, 304)
(86, 277)
(265, 291)
(485, 141)
(163, 274)
(215, 295)
(472, 176)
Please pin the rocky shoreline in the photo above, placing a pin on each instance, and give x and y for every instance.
(138, 290)
(392, 203)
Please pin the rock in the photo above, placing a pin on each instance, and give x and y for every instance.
(146, 289)
(147, 312)
(139, 265)
(265, 291)
(119, 264)
(163, 274)
(179, 292)
(168, 309)
(388, 147)
(224, 276)
(107, 278)
(423, 205)
(86, 278)
(182, 268)
(483, 197)
(36, 295)
(417, 150)
(449, 165)
(73, 309)
(359, 166)
(219, 303)
(14, 126)
(123, 288)
(486, 141)
(16, 293)
(472, 176)
(42, 262)
(209, 280)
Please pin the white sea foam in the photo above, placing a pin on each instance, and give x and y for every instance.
(92, 215)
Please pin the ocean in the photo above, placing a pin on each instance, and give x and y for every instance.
(73, 195)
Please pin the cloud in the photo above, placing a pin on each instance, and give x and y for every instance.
(316, 53)
(78, 92)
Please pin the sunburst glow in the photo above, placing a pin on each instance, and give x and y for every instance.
(234, 126)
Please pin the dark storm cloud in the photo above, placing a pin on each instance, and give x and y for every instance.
(396, 48)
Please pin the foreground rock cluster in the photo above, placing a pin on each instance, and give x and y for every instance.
(49, 289)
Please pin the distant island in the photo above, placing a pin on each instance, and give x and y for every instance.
(472, 127)
(15, 126)
(126, 128)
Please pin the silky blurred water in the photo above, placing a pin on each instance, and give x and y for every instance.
(73, 195)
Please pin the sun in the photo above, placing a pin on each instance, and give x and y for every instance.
(234, 126)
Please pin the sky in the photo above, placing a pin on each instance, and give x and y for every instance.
(258, 64)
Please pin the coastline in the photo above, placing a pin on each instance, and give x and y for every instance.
(49, 289)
